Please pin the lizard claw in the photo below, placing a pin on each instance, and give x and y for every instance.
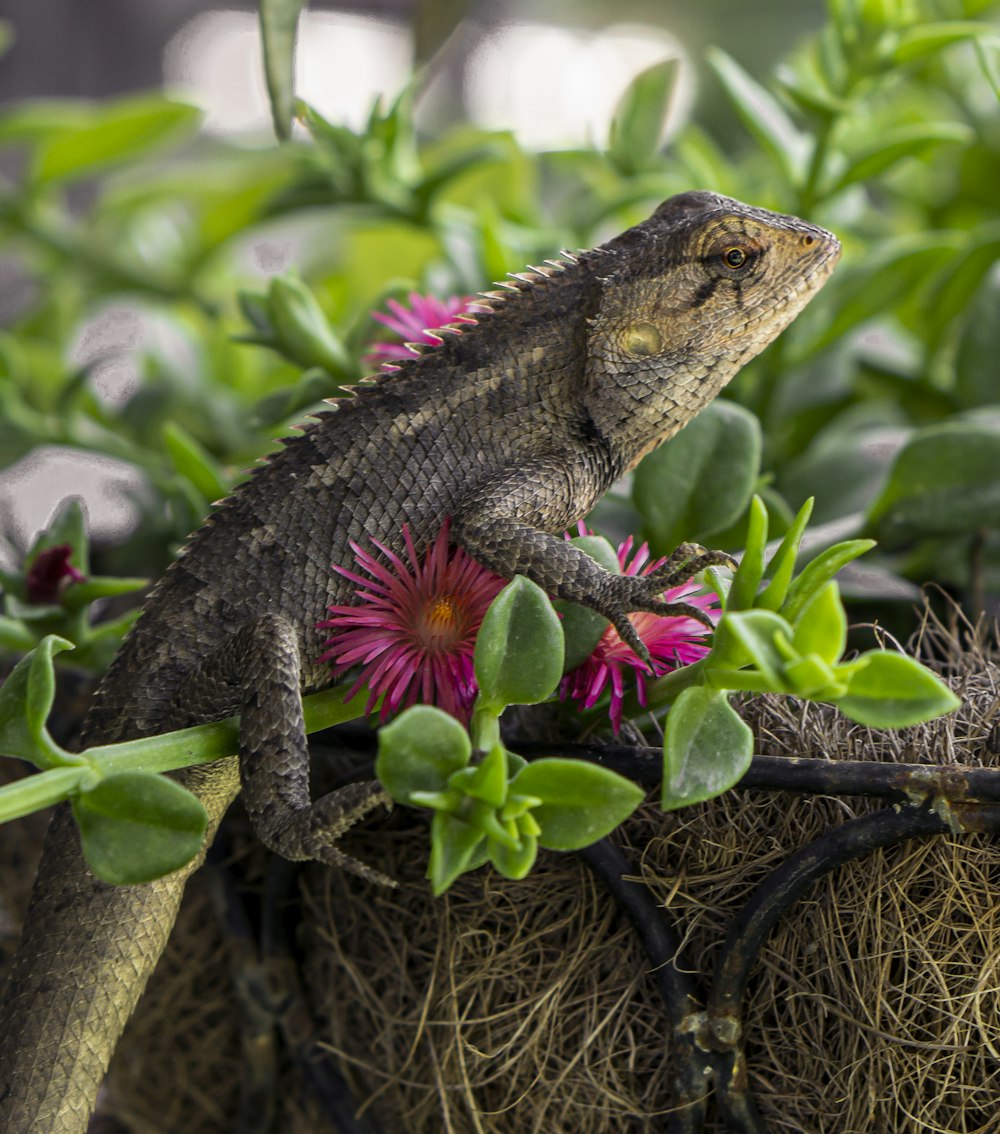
(686, 561)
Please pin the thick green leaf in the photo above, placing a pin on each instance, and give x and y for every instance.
(137, 826)
(928, 39)
(66, 525)
(700, 481)
(818, 572)
(581, 802)
(977, 366)
(762, 115)
(25, 702)
(115, 132)
(707, 748)
(486, 781)
(279, 22)
(511, 862)
(743, 592)
(192, 460)
(303, 331)
(419, 751)
(640, 117)
(946, 479)
(582, 626)
(454, 846)
(35, 120)
(962, 279)
(893, 691)
(519, 650)
(822, 629)
(782, 564)
(748, 637)
(912, 140)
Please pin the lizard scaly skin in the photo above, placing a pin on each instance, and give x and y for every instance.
(512, 428)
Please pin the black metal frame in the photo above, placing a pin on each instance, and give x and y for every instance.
(706, 1019)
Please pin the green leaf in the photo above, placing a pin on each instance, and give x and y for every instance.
(893, 691)
(979, 347)
(419, 751)
(314, 385)
(812, 679)
(582, 627)
(486, 781)
(98, 587)
(822, 629)
(874, 285)
(762, 115)
(581, 802)
(137, 826)
(279, 22)
(192, 460)
(66, 525)
(748, 636)
(782, 564)
(514, 863)
(639, 119)
(912, 140)
(700, 481)
(115, 132)
(818, 572)
(519, 650)
(454, 844)
(743, 591)
(962, 278)
(304, 333)
(707, 748)
(946, 479)
(25, 703)
(928, 39)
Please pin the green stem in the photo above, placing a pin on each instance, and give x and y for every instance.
(165, 753)
(41, 790)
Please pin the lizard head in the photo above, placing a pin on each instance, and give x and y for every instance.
(690, 295)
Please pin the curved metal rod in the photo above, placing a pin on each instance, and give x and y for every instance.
(662, 945)
(770, 901)
(803, 774)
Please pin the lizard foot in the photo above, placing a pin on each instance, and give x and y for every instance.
(642, 593)
(686, 561)
(312, 832)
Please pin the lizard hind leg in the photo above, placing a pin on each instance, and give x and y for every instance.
(258, 671)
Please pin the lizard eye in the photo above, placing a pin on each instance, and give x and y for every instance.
(643, 339)
(734, 257)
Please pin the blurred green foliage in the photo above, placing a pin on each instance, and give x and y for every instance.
(881, 401)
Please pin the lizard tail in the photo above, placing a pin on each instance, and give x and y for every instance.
(85, 955)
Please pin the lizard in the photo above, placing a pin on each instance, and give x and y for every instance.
(510, 429)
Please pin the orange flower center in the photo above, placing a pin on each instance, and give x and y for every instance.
(443, 623)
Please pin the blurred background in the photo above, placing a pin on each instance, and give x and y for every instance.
(178, 288)
(550, 72)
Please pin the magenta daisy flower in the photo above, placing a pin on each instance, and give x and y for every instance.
(672, 641)
(417, 324)
(414, 627)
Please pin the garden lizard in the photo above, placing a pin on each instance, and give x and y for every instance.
(512, 427)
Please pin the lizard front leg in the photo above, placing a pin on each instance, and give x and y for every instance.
(503, 527)
(259, 670)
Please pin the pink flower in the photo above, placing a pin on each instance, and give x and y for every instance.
(415, 627)
(672, 642)
(50, 574)
(416, 324)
